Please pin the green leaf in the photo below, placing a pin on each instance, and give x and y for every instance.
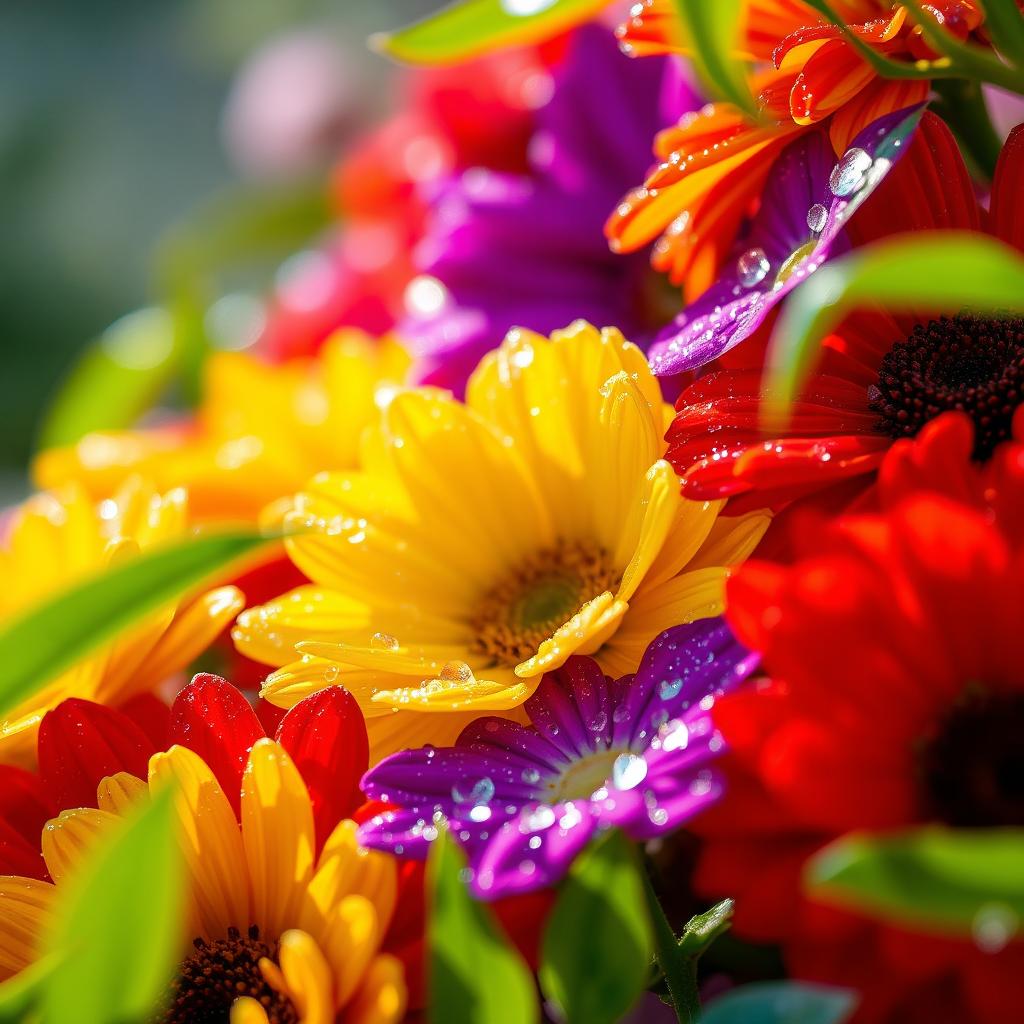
(118, 926)
(119, 377)
(703, 929)
(56, 634)
(475, 976)
(713, 31)
(598, 943)
(968, 882)
(20, 995)
(1005, 24)
(473, 27)
(781, 1002)
(941, 271)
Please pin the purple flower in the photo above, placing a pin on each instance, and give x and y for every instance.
(505, 250)
(807, 201)
(636, 753)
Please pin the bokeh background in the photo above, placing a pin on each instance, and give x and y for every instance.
(122, 124)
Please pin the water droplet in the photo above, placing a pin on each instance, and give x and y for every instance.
(331, 673)
(466, 875)
(994, 925)
(669, 688)
(599, 722)
(620, 714)
(817, 216)
(480, 813)
(570, 818)
(531, 776)
(658, 815)
(527, 867)
(481, 792)
(848, 175)
(752, 267)
(628, 771)
(540, 818)
(535, 842)
(384, 642)
(455, 672)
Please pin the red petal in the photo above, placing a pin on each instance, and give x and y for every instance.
(1007, 207)
(151, 715)
(24, 810)
(215, 720)
(326, 737)
(18, 856)
(80, 743)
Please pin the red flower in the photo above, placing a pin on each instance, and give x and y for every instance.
(896, 698)
(882, 376)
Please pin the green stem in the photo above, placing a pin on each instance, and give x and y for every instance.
(680, 970)
(963, 105)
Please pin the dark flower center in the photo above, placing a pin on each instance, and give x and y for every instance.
(966, 363)
(220, 972)
(973, 768)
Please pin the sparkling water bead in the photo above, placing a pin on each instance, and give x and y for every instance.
(848, 175)
(752, 267)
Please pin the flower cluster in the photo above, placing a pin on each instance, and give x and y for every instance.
(689, 520)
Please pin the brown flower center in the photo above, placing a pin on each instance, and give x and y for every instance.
(973, 768)
(546, 590)
(966, 363)
(220, 972)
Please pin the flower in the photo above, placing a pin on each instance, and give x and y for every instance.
(896, 698)
(262, 430)
(58, 539)
(714, 164)
(483, 543)
(807, 201)
(288, 914)
(634, 753)
(504, 250)
(882, 376)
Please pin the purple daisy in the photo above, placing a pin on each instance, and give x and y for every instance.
(636, 753)
(807, 201)
(504, 250)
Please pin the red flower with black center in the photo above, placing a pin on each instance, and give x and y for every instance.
(895, 698)
(882, 376)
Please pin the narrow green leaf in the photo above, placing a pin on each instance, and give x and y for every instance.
(781, 1002)
(21, 995)
(598, 943)
(1005, 23)
(941, 271)
(475, 976)
(713, 30)
(118, 929)
(56, 634)
(120, 376)
(703, 929)
(473, 27)
(969, 882)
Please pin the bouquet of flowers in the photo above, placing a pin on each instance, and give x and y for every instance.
(584, 587)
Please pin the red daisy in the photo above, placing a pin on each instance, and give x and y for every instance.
(896, 698)
(881, 376)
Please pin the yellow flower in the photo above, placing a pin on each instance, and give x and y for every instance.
(269, 920)
(59, 539)
(483, 543)
(261, 432)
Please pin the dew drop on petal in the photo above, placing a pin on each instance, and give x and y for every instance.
(752, 267)
(848, 175)
(817, 216)
(531, 776)
(540, 818)
(480, 813)
(669, 688)
(384, 642)
(628, 771)
(481, 792)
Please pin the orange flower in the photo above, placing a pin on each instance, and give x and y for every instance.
(714, 163)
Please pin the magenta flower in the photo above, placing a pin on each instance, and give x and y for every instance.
(807, 202)
(636, 753)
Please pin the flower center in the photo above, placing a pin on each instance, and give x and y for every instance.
(548, 588)
(966, 363)
(973, 769)
(583, 777)
(220, 972)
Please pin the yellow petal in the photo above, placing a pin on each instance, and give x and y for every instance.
(732, 540)
(401, 730)
(68, 838)
(210, 841)
(455, 688)
(350, 941)
(26, 910)
(120, 793)
(382, 997)
(278, 835)
(247, 1011)
(694, 522)
(308, 978)
(659, 504)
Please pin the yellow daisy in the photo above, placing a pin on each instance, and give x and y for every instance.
(57, 539)
(262, 430)
(279, 935)
(482, 543)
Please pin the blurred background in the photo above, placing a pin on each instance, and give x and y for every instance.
(131, 134)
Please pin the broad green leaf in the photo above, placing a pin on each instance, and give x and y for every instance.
(598, 942)
(1005, 23)
(119, 377)
(472, 27)
(781, 1002)
(62, 630)
(20, 996)
(475, 976)
(940, 271)
(118, 927)
(965, 881)
(703, 929)
(713, 31)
